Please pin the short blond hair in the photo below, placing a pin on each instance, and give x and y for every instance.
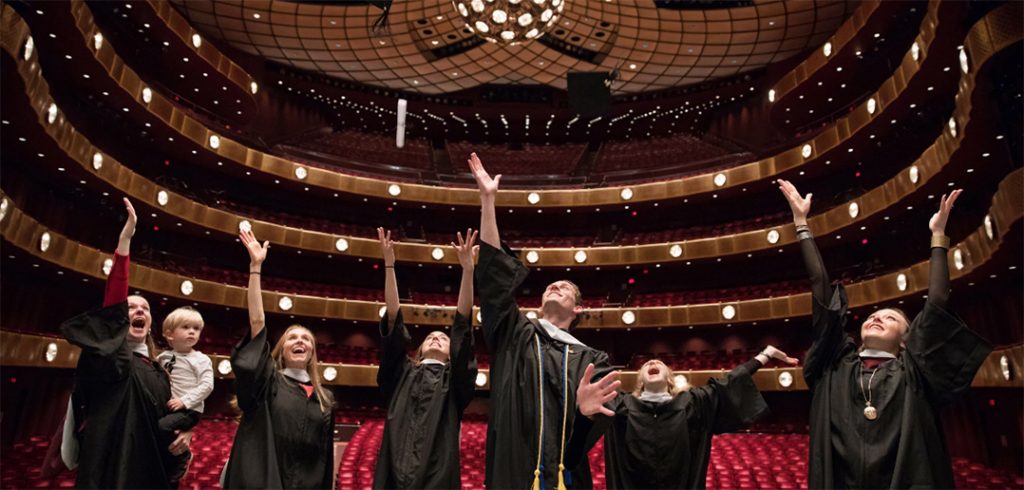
(180, 317)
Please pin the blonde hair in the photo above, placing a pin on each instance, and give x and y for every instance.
(180, 317)
(312, 367)
(672, 388)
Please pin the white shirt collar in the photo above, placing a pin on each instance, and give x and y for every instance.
(877, 353)
(431, 361)
(649, 396)
(297, 374)
(558, 334)
(139, 348)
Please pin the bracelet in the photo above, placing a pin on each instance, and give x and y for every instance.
(803, 234)
(254, 272)
(389, 267)
(940, 241)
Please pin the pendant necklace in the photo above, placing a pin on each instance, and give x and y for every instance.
(870, 412)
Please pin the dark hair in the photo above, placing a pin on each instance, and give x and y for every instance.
(579, 302)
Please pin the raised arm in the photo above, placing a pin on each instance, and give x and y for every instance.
(257, 254)
(117, 281)
(387, 248)
(828, 304)
(488, 192)
(466, 251)
(946, 353)
(938, 276)
(801, 206)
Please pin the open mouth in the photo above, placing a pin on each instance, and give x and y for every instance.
(876, 326)
(299, 350)
(654, 371)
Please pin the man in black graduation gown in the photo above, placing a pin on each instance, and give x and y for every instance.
(426, 396)
(542, 378)
(875, 409)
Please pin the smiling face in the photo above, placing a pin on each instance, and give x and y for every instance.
(436, 346)
(139, 319)
(561, 298)
(297, 345)
(884, 330)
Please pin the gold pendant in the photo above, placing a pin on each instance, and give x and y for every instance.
(870, 413)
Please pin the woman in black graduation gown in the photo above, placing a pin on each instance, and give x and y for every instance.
(875, 408)
(660, 436)
(426, 396)
(120, 392)
(286, 435)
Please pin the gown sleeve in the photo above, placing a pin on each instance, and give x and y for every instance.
(946, 352)
(585, 431)
(102, 335)
(253, 368)
(733, 402)
(463, 361)
(393, 355)
(328, 453)
(117, 281)
(499, 276)
(828, 316)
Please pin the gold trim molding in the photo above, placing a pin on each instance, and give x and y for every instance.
(981, 39)
(975, 250)
(29, 350)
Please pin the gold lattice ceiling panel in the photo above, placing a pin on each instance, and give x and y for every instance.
(428, 49)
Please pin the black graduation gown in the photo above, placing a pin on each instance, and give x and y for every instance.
(513, 426)
(284, 440)
(119, 397)
(905, 446)
(420, 448)
(668, 445)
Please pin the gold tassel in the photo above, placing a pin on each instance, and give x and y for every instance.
(536, 479)
(561, 478)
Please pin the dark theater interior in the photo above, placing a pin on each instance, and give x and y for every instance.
(641, 145)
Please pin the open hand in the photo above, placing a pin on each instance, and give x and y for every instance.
(466, 249)
(257, 252)
(800, 206)
(591, 397)
(773, 353)
(129, 225)
(938, 222)
(387, 247)
(487, 185)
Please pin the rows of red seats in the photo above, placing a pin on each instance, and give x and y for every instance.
(703, 231)
(530, 160)
(372, 148)
(672, 150)
(743, 461)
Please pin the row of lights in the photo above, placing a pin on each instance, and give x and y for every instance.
(330, 373)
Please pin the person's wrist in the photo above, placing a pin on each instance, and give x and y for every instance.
(800, 220)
